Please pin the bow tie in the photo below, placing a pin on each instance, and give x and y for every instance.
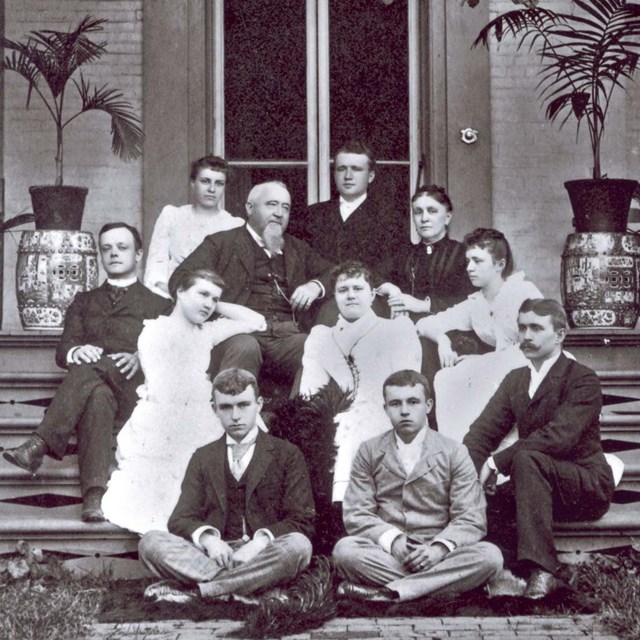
(115, 294)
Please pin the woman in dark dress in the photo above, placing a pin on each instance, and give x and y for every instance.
(431, 276)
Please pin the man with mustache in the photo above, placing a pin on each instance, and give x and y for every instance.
(268, 271)
(557, 468)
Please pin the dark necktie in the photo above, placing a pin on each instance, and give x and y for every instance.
(115, 294)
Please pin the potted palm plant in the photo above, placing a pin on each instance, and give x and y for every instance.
(48, 61)
(586, 56)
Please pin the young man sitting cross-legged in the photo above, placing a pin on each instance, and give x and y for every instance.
(245, 511)
(414, 508)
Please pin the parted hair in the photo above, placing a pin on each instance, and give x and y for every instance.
(350, 269)
(433, 191)
(234, 381)
(546, 307)
(186, 279)
(359, 147)
(495, 243)
(407, 378)
(137, 239)
(215, 163)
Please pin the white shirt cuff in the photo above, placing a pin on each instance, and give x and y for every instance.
(446, 543)
(70, 354)
(491, 463)
(387, 539)
(195, 536)
(261, 533)
(322, 291)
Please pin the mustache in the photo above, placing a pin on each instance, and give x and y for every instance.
(526, 345)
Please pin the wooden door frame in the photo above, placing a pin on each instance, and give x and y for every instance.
(179, 103)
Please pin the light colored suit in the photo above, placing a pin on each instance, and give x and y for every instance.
(439, 500)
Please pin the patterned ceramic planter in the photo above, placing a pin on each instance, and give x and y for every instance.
(53, 265)
(600, 279)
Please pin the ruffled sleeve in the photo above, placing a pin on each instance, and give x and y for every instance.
(156, 274)
(314, 375)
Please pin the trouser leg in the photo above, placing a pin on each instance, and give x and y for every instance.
(362, 561)
(170, 556)
(546, 488)
(238, 352)
(283, 346)
(95, 438)
(70, 401)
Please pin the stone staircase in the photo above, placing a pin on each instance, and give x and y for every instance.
(45, 510)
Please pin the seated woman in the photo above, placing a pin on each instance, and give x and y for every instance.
(431, 276)
(358, 353)
(466, 383)
(173, 416)
(179, 230)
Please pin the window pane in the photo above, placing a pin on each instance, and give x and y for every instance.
(369, 67)
(265, 80)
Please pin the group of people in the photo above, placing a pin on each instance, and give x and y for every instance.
(225, 508)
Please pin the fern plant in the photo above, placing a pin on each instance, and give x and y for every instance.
(586, 55)
(48, 59)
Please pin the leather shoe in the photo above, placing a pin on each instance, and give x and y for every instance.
(170, 591)
(28, 455)
(364, 592)
(540, 584)
(92, 505)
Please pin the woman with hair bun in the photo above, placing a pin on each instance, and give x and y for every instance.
(466, 382)
(173, 416)
(179, 230)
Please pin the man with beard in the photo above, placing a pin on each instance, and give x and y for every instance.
(268, 271)
(557, 467)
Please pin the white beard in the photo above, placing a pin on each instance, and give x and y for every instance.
(272, 238)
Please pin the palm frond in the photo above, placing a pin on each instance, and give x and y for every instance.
(126, 132)
(521, 23)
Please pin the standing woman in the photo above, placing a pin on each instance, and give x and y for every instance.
(358, 353)
(179, 230)
(466, 383)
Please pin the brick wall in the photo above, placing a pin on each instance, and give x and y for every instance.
(532, 158)
(115, 187)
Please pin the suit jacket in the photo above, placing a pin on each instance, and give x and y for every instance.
(231, 255)
(561, 420)
(92, 320)
(278, 491)
(370, 234)
(440, 499)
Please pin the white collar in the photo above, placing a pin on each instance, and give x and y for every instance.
(416, 443)
(250, 437)
(122, 283)
(258, 239)
(353, 204)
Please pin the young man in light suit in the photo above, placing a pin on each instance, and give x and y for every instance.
(245, 512)
(99, 348)
(414, 508)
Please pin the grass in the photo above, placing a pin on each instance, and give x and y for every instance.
(49, 603)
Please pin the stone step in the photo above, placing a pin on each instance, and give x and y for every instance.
(32, 349)
(60, 529)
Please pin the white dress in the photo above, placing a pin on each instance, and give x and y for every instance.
(172, 419)
(177, 232)
(377, 347)
(463, 391)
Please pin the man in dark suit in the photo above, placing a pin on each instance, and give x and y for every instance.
(557, 468)
(98, 346)
(414, 508)
(353, 226)
(268, 271)
(245, 512)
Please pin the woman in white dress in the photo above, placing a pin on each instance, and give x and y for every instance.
(179, 230)
(466, 383)
(358, 353)
(173, 416)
